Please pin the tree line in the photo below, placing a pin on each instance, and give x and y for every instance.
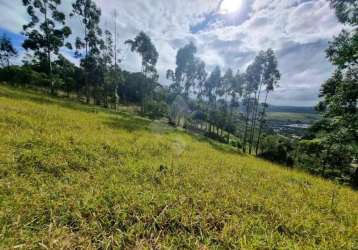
(214, 98)
(209, 97)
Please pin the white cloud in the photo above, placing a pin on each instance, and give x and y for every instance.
(298, 30)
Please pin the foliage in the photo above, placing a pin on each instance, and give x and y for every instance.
(189, 72)
(143, 45)
(46, 32)
(7, 51)
(277, 149)
(91, 43)
(155, 109)
(336, 135)
(24, 76)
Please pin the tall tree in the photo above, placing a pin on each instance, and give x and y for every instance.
(201, 76)
(271, 76)
(142, 44)
(7, 51)
(88, 45)
(236, 91)
(46, 32)
(65, 70)
(261, 74)
(188, 70)
(116, 72)
(211, 85)
(254, 78)
(337, 132)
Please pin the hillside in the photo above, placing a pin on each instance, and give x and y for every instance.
(79, 176)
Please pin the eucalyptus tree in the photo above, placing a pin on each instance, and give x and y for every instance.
(271, 77)
(117, 72)
(236, 91)
(112, 75)
(142, 44)
(211, 85)
(261, 74)
(346, 11)
(253, 88)
(210, 88)
(7, 51)
(227, 82)
(66, 71)
(188, 70)
(89, 43)
(249, 103)
(46, 32)
(107, 68)
(201, 76)
(336, 133)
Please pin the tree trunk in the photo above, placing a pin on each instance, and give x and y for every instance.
(246, 126)
(261, 123)
(52, 87)
(254, 118)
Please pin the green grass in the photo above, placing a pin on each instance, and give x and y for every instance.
(79, 177)
(293, 117)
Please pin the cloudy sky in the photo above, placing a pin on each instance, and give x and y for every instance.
(227, 33)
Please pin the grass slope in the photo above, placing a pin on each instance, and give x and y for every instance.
(78, 177)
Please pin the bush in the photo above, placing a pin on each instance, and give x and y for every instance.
(277, 149)
(24, 75)
(156, 110)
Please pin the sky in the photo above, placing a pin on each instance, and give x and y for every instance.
(228, 33)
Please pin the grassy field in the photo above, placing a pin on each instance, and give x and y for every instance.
(293, 117)
(79, 177)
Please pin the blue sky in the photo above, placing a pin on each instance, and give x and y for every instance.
(298, 31)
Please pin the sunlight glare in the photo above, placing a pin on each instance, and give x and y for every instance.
(230, 6)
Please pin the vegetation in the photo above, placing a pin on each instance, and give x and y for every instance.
(229, 107)
(97, 176)
(7, 51)
(307, 118)
(78, 176)
(333, 144)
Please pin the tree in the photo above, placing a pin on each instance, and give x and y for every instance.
(262, 73)
(112, 74)
(142, 44)
(201, 76)
(117, 72)
(65, 70)
(189, 69)
(235, 91)
(90, 42)
(211, 85)
(228, 80)
(7, 51)
(254, 77)
(46, 32)
(346, 11)
(337, 131)
(271, 76)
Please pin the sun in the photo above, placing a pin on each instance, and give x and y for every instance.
(230, 6)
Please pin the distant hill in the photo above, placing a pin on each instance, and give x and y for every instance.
(291, 109)
(287, 109)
